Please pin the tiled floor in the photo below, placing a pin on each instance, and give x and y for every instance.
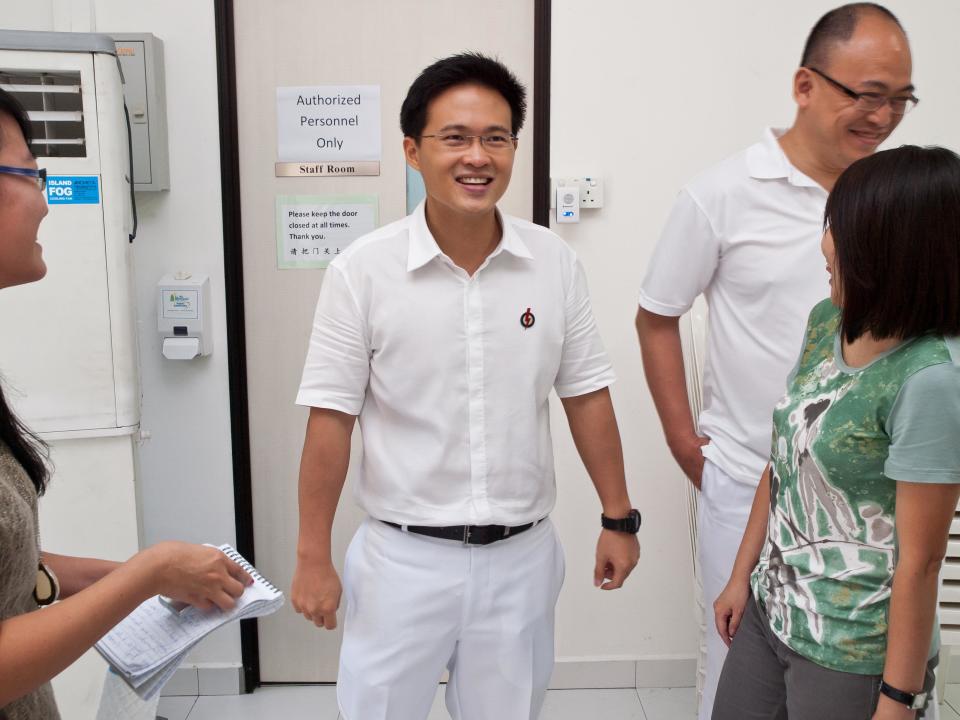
(318, 702)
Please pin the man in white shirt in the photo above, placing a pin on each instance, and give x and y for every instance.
(746, 234)
(444, 333)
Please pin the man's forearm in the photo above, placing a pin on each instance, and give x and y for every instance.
(593, 425)
(323, 470)
(663, 368)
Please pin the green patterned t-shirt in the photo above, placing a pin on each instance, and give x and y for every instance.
(826, 570)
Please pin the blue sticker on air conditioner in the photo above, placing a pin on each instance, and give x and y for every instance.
(73, 189)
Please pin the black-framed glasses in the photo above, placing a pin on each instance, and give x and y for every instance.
(871, 101)
(494, 142)
(39, 176)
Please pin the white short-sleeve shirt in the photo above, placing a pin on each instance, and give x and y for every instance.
(746, 234)
(450, 374)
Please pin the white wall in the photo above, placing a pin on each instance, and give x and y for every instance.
(186, 471)
(646, 95)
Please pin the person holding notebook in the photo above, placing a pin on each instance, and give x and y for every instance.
(97, 594)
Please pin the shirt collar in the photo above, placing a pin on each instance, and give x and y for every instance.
(423, 247)
(767, 161)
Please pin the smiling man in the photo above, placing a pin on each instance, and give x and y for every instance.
(445, 333)
(746, 234)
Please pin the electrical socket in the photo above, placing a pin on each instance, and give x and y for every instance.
(591, 190)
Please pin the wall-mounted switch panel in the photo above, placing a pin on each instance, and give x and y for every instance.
(591, 190)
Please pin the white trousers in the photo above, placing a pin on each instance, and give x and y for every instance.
(722, 513)
(416, 605)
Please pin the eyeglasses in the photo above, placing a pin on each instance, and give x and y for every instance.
(457, 141)
(39, 176)
(871, 101)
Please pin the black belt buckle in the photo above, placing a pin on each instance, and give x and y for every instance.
(466, 534)
(489, 534)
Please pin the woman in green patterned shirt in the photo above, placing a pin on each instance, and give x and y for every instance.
(831, 606)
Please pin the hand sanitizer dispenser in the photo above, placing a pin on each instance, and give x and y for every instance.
(183, 315)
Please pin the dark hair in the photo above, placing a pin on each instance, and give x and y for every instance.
(27, 448)
(461, 69)
(895, 219)
(9, 105)
(838, 26)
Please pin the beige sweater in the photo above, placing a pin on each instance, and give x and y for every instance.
(18, 572)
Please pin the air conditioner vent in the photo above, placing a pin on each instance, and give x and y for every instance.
(55, 106)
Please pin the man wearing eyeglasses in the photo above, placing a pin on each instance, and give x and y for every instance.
(445, 333)
(746, 234)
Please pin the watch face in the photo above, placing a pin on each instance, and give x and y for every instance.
(919, 701)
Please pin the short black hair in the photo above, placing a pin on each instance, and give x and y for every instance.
(9, 105)
(838, 26)
(461, 69)
(895, 219)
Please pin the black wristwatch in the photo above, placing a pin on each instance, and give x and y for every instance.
(913, 701)
(629, 524)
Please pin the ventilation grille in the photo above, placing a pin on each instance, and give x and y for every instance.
(55, 106)
(950, 591)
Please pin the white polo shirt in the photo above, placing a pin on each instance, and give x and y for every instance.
(746, 234)
(450, 374)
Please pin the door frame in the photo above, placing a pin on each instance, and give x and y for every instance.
(233, 266)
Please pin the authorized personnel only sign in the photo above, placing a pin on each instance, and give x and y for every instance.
(320, 123)
(73, 190)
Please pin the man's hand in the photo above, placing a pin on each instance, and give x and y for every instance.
(729, 607)
(663, 368)
(689, 456)
(316, 593)
(617, 555)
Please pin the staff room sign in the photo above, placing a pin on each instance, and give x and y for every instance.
(328, 130)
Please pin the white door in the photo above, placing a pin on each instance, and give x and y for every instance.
(311, 42)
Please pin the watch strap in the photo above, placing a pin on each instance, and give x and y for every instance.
(914, 701)
(629, 524)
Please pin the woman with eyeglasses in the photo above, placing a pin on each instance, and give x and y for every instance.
(37, 644)
(831, 606)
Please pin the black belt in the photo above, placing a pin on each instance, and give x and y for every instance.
(467, 534)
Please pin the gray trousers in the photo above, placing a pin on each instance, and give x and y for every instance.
(763, 679)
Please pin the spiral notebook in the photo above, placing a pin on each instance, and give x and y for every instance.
(147, 646)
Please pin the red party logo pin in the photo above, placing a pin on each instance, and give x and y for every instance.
(527, 320)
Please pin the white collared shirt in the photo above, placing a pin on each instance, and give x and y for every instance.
(746, 234)
(450, 374)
